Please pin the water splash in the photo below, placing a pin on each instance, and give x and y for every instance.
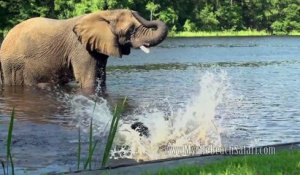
(193, 125)
(84, 109)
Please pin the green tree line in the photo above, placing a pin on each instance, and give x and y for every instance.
(273, 16)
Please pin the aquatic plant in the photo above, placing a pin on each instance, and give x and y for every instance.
(3, 166)
(9, 159)
(92, 144)
(79, 149)
(91, 148)
(112, 131)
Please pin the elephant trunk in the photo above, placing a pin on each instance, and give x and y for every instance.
(149, 33)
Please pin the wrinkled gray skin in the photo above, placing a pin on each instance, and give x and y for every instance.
(41, 50)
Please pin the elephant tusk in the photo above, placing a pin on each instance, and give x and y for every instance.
(145, 49)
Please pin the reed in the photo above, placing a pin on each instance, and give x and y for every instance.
(9, 159)
(3, 166)
(112, 132)
(79, 149)
(92, 144)
(92, 147)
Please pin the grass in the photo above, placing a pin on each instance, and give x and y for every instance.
(228, 33)
(92, 146)
(3, 166)
(113, 129)
(9, 160)
(118, 110)
(284, 162)
(79, 149)
(295, 33)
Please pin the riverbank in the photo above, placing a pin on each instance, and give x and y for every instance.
(284, 162)
(222, 34)
(284, 159)
(229, 33)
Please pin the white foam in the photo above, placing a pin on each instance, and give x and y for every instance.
(193, 125)
(84, 108)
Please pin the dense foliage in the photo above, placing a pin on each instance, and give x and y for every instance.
(274, 16)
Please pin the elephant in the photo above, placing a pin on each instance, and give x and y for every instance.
(43, 50)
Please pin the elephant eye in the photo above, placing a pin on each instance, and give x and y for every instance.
(132, 30)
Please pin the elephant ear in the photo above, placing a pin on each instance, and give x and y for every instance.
(94, 31)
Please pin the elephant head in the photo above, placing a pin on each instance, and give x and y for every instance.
(113, 32)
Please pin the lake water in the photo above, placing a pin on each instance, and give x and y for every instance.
(231, 91)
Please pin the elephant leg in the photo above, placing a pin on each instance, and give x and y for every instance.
(85, 73)
(101, 71)
(28, 77)
(18, 78)
(12, 74)
(7, 74)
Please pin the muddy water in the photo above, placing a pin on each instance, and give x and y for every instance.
(195, 91)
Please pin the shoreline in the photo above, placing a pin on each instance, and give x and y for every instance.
(204, 160)
(244, 33)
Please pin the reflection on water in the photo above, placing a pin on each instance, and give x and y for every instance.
(34, 104)
(259, 103)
